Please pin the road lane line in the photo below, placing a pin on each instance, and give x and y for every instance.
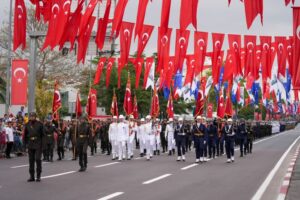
(111, 196)
(61, 174)
(20, 166)
(189, 166)
(104, 165)
(261, 190)
(156, 179)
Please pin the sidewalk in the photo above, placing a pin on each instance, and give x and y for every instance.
(293, 192)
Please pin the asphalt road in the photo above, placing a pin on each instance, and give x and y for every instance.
(162, 178)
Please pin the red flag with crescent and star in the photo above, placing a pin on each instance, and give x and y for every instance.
(109, 67)
(91, 106)
(127, 105)
(209, 110)
(182, 41)
(143, 40)
(135, 108)
(296, 53)
(170, 106)
(281, 55)
(200, 46)
(217, 57)
(118, 18)
(126, 33)
(266, 59)
(19, 82)
(163, 45)
(114, 106)
(20, 25)
(100, 67)
(221, 105)
(190, 62)
(86, 17)
(249, 44)
(56, 104)
(140, 17)
(154, 104)
(138, 66)
(199, 103)
(235, 47)
(188, 13)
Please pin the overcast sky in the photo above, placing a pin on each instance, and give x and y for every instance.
(213, 16)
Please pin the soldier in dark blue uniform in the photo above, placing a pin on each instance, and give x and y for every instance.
(212, 138)
(84, 133)
(242, 136)
(180, 137)
(33, 137)
(200, 137)
(229, 135)
(61, 132)
(49, 130)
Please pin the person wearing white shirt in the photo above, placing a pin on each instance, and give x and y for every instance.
(10, 138)
(170, 137)
(141, 137)
(157, 130)
(150, 137)
(122, 137)
(112, 136)
(132, 133)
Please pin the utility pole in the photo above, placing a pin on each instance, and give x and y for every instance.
(8, 68)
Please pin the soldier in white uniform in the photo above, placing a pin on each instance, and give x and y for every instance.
(149, 137)
(122, 137)
(132, 133)
(157, 137)
(112, 136)
(170, 137)
(141, 137)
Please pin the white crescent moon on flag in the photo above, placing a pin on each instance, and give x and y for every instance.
(298, 32)
(164, 40)
(217, 43)
(182, 42)
(200, 41)
(280, 46)
(145, 37)
(58, 95)
(250, 44)
(93, 95)
(19, 69)
(20, 7)
(235, 45)
(126, 33)
(267, 46)
(67, 9)
(192, 63)
(55, 6)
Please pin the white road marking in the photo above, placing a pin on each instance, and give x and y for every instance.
(156, 179)
(104, 165)
(20, 166)
(261, 190)
(111, 196)
(286, 183)
(138, 158)
(61, 174)
(189, 166)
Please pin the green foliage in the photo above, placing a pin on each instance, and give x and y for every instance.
(43, 98)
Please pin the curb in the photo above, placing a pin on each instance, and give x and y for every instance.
(287, 178)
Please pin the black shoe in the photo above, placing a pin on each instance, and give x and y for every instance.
(31, 179)
(131, 157)
(141, 155)
(73, 158)
(170, 153)
(155, 153)
(58, 159)
(38, 179)
(81, 169)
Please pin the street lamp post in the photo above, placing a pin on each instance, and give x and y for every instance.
(8, 68)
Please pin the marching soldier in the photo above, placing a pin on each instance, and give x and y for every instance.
(229, 134)
(170, 137)
(112, 135)
(200, 135)
(149, 137)
(122, 137)
(180, 135)
(93, 138)
(163, 140)
(141, 137)
(61, 132)
(220, 139)
(49, 130)
(132, 133)
(33, 136)
(242, 136)
(189, 137)
(157, 137)
(212, 137)
(84, 133)
(250, 136)
(73, 136)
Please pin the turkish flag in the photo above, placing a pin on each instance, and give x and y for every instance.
(127, 105)
(249, 44)
(200, 46)
(154, 104)
(72, 27)
(118, 18)
(102, 26)
(235, 47)
(199, 103)
(228, 108)
(56, 104)
(170, 107)
(135, 108)
(190, 69)
(209, 110)
(109, 67)
(266, 42)
(258, 55)
(290, 55)
(54, 24)
(148, 66)
(114, 106)
(221, 106)
(229, 66)
(182, 41)
(140, 17)
(138, 65)
(296, 55)
(144, 36)
(252, 9)
(86, 17)
(19, 82)
(217, 59)
(164, 37)
(125, 40)
(281, 55)
(165, 15)
(188, 13)
(78, 109)
(83, 40)
(91, 106)
(166, 76)
(20, 24)
(100, 67)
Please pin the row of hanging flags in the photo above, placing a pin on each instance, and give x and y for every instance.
(248, 67)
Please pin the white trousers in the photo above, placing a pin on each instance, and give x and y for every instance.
(122, 150)
(171, 144)
(114, 149)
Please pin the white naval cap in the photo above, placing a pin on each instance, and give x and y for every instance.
(198, 117)
(121, 117)
(229, 120)
(170, 119)
(180, 119)
(142, 120)
(131, 116)
(115, 117)
(148, 117)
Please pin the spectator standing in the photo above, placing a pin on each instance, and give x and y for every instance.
(10, 138)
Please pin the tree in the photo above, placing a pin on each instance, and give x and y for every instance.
(43, 99)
